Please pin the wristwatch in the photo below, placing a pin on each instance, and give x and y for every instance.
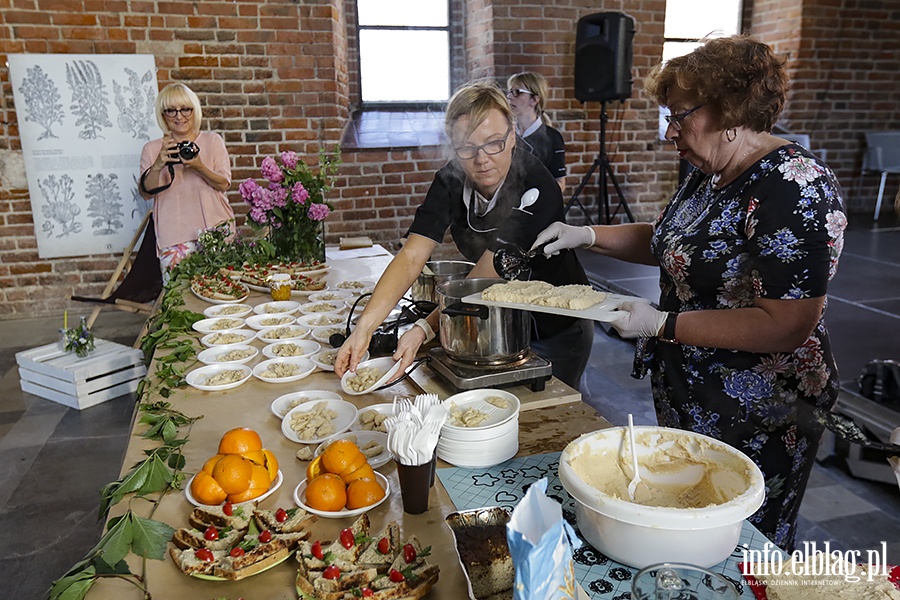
(668, 332)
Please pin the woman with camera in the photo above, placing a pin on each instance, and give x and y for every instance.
(186, 173)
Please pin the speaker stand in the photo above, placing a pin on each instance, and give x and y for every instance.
(606, 175)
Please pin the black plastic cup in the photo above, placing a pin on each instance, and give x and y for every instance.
(415, 486)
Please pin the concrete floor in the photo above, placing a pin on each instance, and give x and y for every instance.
(55, 459)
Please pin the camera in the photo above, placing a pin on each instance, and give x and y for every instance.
(185, 151)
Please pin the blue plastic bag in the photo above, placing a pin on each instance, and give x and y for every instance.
(540, 543)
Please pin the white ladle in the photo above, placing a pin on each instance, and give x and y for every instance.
(528, 198)
(634, 461)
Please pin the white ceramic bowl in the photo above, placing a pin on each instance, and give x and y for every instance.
(346, 413)
(638, 535)
(300, 497)
(283, 307)
(221, 338)
(320, 308)
(297, 333)
(198, 377)
(218, 324)
(237, 311)
(385, 409)
(323, 334)
(297, 349)
(217, 354)
(303, 366)
(361, 438)
(279, 479)
(330, 296)
(386, 365)
(260, 322)
(322, 320)
(283, 404)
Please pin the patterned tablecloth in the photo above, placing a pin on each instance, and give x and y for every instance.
(505, 484)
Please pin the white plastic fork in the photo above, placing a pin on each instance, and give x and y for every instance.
(425, 401)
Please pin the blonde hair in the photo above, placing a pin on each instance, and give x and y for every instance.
(537, 85)
(475, 100)
(177, 95)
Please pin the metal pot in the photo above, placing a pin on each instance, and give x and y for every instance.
(435, 273)
(476, 334)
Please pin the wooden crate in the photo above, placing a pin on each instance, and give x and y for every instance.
(108, 372)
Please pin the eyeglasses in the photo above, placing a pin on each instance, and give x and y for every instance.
(185, 112)
(490, 148)
(518, 92)
(675, 120)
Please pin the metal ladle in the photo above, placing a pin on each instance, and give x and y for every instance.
(510, 260)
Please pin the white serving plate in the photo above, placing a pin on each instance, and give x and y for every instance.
(361, 438)
(354, 285)
(300, 496)
(279, 479)
(323, 334)
(218, 324)
(196, 376)
(259, 322)
(263, 334)
(385, 409)
(285, 307)
(213, 301)
(247, 335)
(326, 366)
(385, 364)
(281, 403)
(330, 296)
(319, 308)
(477, 399)
(306, 348)
(307, 320)
(217, 310)
(306, 367)
(210, 355)
(605, 311)
(346, 413)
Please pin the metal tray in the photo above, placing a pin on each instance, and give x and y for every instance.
(473, 519)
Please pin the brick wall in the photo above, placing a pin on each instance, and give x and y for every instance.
(279, 74)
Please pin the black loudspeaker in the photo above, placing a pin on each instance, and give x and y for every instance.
(603, 55)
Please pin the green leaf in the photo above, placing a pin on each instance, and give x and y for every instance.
(74, 586)
(150, 538)
(116, 543)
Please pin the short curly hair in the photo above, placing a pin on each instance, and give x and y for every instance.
(741, 78)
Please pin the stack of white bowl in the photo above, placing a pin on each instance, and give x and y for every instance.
(487, 444)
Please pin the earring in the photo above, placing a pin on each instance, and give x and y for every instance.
(731, 134)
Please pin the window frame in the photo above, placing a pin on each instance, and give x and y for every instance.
(424, 105)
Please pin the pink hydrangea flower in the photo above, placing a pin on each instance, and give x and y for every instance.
(318, 212)
(271, 171)
(299, 193)
(289, 159)
(277, 195)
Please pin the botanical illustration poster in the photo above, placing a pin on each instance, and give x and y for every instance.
(83, 119)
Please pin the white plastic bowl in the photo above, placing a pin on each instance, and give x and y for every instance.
(218, 324)
(386, 365)
(639, 535)
(214, 355)
(198, 377)
(304, 367)
(300, 497)
(260, 322)
(304, 348)
(225, 310)
(281, 307)
(210, 340)
(298, 331)
(322, 320)
(323, 334)
(346, 413)
(330, 296)
(320, 308)
(282, 404)
(477, 399)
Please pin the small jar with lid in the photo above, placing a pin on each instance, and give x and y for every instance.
(280, 286)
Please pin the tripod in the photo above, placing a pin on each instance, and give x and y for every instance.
(606, 175)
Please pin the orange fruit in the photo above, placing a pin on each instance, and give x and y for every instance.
(340, 455)
(259, 485)
(326, 492)
(206, 490)
(271, 465)
(233, 473)
(240, 441)
(364, 471)
(209, 464)
(257, 456)
(362, 492)
(315, 468)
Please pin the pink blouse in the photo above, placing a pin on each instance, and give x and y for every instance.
(181, 212)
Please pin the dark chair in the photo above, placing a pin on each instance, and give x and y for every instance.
(142, 285)
(883, 157)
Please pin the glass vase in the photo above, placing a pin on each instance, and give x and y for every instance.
(304, 242)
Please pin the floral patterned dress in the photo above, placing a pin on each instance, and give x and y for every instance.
(775, 232)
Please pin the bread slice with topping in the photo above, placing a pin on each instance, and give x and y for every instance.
(188, 562)
(226, 539)
(373, 556)
(203, 517)
(297, 520)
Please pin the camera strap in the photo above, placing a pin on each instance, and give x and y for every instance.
(161, 188)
